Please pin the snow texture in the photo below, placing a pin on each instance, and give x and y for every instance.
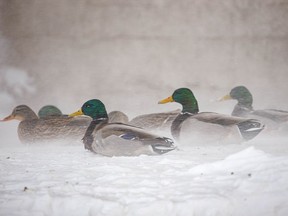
(206, 180)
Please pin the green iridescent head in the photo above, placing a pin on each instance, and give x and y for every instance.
(49, 110)
(242, 95)
(186, 98)
(93, 108)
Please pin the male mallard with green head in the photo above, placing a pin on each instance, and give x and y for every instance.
(118, 139)
(207, 127)
(272, 118)
(49, 111)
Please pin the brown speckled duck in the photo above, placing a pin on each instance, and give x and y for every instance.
(33, 129)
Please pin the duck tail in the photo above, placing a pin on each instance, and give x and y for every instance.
(165, 145)
(250, 128)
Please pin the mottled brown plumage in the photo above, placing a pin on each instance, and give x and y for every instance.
(53, 128)
(31, 129)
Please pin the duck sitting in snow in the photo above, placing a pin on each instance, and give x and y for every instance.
(207, 127)
(272, 118)
(33, 129)
(117, 139)
(52, 125)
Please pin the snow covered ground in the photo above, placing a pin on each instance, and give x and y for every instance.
(246, 179)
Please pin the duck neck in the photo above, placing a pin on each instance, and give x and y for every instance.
(190, 106)
(95, 124)
(31, 115)
(27, 115)
(99, 115)
(246, 102)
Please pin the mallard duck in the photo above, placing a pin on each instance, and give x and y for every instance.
(49, 111)
(118, 139)
(155, 121)
(32, 129)
(207, 127)
(272, 118)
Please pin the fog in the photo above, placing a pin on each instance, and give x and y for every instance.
(131, 53)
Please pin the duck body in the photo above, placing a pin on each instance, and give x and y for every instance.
(66, 130)
(192, 126)
(209, 127)
(32, 129)
(118, 139)
(118, 116)
(155, 121)
(273, 119)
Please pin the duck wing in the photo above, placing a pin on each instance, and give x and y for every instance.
(116, 139)
(155, 120)
(118, 116)
(209, 124)
(278, 116)
(249, 128)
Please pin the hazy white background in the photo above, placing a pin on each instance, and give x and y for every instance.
(130, 54)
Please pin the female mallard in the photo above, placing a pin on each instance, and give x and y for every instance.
(272, 118)
(205, 127)
(32, 129)
(117, 139)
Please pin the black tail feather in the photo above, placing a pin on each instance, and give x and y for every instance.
(165, 145)
(250, 128)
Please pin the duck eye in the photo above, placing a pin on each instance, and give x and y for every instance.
(87, 106)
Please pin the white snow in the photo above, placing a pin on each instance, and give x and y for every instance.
(246, 179)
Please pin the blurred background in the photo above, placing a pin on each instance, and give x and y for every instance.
(130, 54)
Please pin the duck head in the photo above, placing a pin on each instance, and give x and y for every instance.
(186, 98)
(241, 94)
(21, 113)
(49, 110)
(93, 108)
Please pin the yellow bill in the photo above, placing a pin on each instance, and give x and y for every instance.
(166, 100)
(226, 97)
(79, 112)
